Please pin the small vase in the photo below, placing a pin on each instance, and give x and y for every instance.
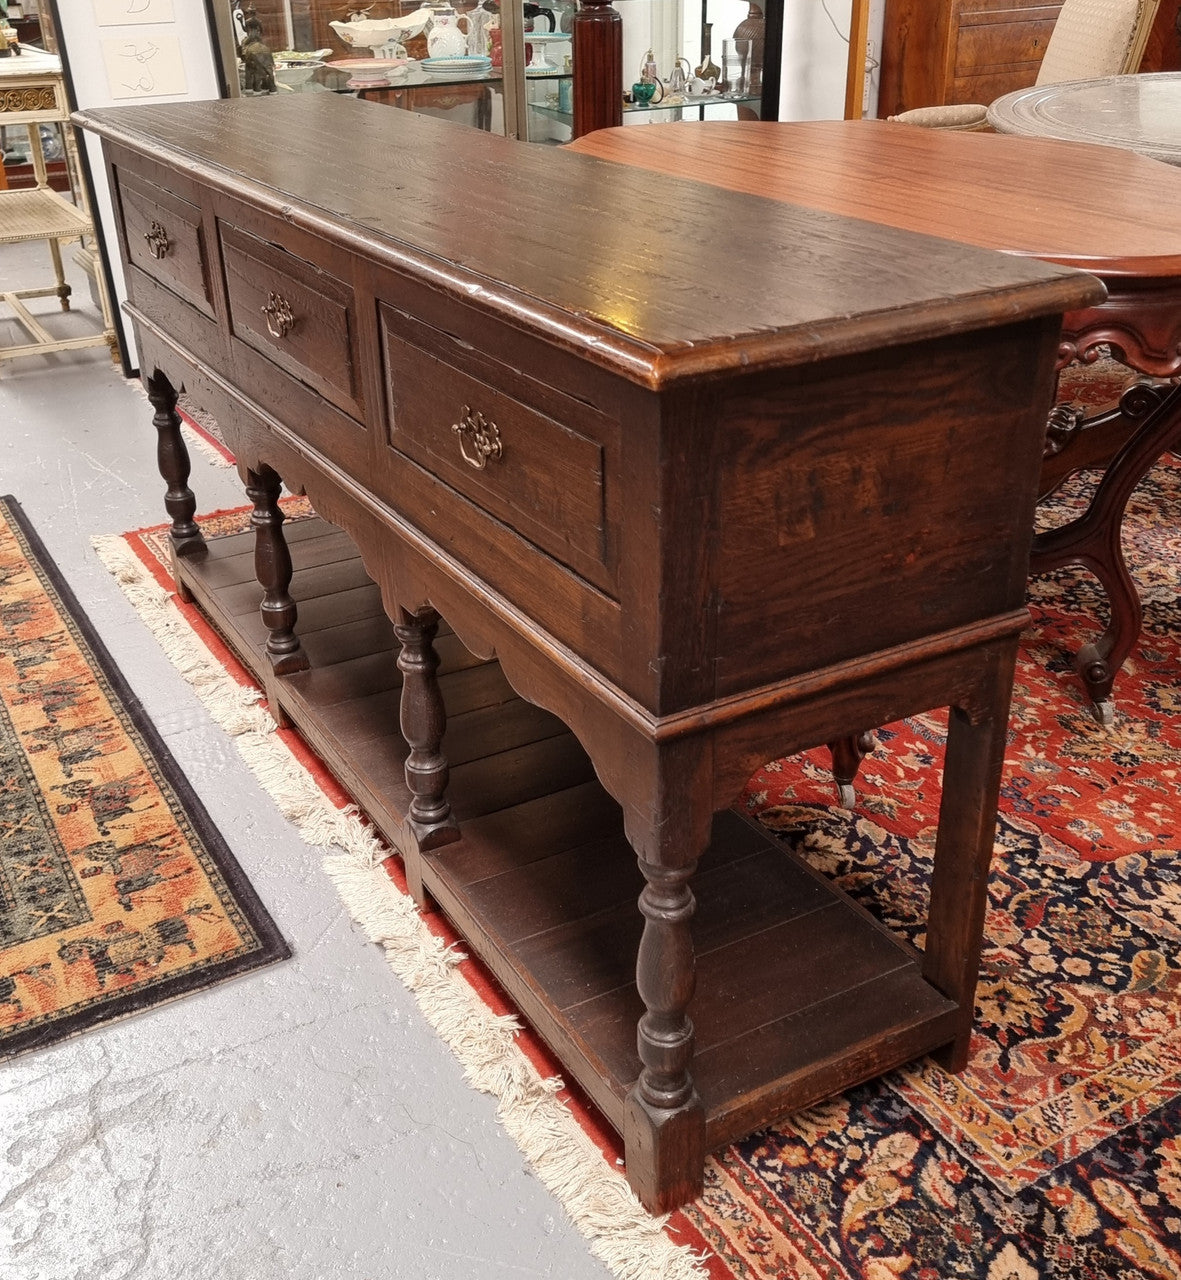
(753, 28)
(709, 68)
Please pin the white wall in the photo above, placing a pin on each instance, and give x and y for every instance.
(815, 57)
(86, 41)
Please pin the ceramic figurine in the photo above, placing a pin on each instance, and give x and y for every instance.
(709, 68)
(257, 59)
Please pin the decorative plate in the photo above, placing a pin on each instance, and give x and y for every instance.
(367, 70)
(457, 66)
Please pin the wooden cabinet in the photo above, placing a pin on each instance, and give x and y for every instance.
(934, 52)
(644, 515)
(1163, 51)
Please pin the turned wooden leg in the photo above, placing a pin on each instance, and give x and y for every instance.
(847, 755)
(963, 849)
(664, 1122)
(172, 461)
(424, 721)
(272, 568)
(1093, 540)
(63, 289)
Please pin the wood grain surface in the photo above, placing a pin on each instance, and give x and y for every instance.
(1099, 208)
(627, 275)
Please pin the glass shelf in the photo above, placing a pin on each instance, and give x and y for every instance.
(692, 103)
(699, 105)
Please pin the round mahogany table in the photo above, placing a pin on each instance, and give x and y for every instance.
(1110, 211)
(1139, 113)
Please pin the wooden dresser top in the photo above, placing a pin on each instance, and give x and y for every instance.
(654, 277)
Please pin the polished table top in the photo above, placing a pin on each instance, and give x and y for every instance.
(1104, 210)
(1141, 113)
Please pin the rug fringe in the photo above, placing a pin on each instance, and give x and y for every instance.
(193, 438)
(597, 1198)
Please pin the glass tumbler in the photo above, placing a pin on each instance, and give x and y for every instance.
(736, 66)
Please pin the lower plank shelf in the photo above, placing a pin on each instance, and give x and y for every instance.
(800, 992)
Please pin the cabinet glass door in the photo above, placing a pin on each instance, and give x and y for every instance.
(507, 66)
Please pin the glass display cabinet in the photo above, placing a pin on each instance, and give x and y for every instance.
(509, 66)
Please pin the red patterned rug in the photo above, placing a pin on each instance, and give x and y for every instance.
(1057, 1152)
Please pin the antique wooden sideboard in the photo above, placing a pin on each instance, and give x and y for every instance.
(655, 481)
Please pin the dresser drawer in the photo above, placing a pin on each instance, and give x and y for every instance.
(298, 316)
(526, 454)
(1019, 40)
(165, 239)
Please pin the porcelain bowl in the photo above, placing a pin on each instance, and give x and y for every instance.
(372, 33)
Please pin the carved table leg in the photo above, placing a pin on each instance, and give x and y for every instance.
(1093, 540)
(664, 1122)
(963, 846)
(847, 755)
(423, 721)
(172, 460)
(272, 568)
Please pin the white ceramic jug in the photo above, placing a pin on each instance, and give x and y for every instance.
(446, 38)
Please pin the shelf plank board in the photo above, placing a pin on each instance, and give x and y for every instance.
(800, 992)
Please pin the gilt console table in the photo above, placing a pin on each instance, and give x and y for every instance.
(648, 499)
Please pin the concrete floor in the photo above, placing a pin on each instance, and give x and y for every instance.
(299, 1123)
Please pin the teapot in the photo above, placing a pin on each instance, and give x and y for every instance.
(533, 12)
(696, 87)
(446, 38)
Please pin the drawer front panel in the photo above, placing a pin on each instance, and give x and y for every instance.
(296, 315)
(165, 239)
(538, 467)
(985, 45)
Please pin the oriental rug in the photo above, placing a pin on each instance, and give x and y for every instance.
(1057, 1152)
(116, 892)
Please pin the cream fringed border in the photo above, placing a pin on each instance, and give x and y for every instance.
(193, 439)
(596, 1196)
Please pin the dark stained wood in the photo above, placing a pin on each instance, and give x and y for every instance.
(172, 459)
(1103, 208)
(1163, 51)
(598, 64)
(272, 569)
(293, 313)
(1099, 208)
(648, 302)
(641, 637)
(164, 239)
(423, 720)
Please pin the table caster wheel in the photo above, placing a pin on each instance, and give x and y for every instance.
(1104, 712)
(846, 795)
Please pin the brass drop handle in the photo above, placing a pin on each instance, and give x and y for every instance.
(158, 241)
(280, 318)
(479, 439)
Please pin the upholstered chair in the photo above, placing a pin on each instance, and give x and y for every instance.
(1092, 38)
